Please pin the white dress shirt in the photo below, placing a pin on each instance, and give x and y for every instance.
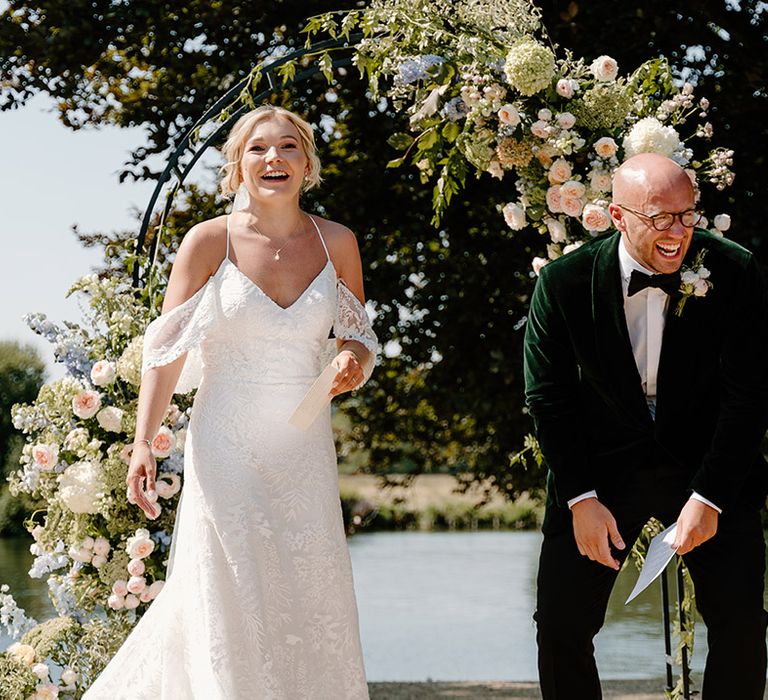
(646, 313)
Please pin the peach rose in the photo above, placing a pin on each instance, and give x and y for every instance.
(600, 181)
(116, 602)
(120, 588)
(131, 602)
(553, 199)
(605, 147)
(537, 264)
(168, 485)
(509, 115)
(541, 129)
(86, 404)
(140, 545)
(595, 218)
(572, 206)
(559, 172)
(163, 443)
(556, 230)
(573, 189)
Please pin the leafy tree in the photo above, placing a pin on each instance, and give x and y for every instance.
(22, 373)
(454, 300)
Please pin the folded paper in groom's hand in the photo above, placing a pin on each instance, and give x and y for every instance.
(315, 400)
(660, 551)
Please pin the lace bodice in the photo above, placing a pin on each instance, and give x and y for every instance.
(219, 331)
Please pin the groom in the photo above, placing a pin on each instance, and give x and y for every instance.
(642, 412)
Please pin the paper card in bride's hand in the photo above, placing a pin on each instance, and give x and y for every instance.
(315, 400)
(660, 551)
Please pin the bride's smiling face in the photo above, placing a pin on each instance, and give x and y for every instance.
(274, 163)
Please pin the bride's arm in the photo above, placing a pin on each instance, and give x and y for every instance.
(194, 264)
(352, 354)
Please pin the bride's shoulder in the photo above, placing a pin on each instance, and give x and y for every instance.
(204, 245)
(339, 238)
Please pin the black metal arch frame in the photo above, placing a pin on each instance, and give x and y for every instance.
(227, 100)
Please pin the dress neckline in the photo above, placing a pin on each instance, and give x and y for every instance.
(306, 289)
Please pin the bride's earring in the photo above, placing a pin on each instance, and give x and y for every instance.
(242, 198)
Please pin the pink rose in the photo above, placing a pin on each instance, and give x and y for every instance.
(45, 456)
(595, 218)
(116, 602)
(559, 172)
(98, 561)
(572, 206)
(553, 199)
(131, 602)
(566, 88)
(136, 568)
(163, 443)
(136, 584)
(701, 288)
(145, 596)
(120, 588)
(103, 373)
(86, 404)
(155, 588)
(604, 68)
(566, 120)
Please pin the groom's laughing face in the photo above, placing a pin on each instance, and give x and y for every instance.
(644, 187)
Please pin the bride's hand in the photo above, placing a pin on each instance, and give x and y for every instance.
(143, 468)
(349, 372)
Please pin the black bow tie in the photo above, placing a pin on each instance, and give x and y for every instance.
(638, 281)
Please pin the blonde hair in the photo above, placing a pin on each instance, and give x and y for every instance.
(241, 131)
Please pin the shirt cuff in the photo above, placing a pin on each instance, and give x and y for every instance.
(583, 497)
(698, 497)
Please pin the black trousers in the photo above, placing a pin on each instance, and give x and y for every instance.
(728, 575)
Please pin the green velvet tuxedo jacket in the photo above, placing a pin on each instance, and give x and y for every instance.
(585, 394)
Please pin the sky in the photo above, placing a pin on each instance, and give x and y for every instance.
(50, 179)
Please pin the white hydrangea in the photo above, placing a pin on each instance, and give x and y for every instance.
(81, 486)
(649, 135)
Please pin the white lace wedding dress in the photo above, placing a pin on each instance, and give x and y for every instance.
(259, 604)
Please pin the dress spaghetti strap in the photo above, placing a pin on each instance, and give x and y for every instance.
(227, 255)
(322, 240)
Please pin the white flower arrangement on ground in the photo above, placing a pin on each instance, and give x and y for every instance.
(89, 542)
(486, 92)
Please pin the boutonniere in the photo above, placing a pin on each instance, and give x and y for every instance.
(694, 281)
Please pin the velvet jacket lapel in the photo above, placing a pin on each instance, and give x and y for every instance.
(614, 348)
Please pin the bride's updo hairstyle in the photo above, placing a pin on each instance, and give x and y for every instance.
(241, 132)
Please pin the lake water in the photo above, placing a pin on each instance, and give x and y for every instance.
(449, 606)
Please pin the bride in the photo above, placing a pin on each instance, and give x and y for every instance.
(259, 601)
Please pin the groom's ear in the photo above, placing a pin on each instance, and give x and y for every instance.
(617, 216)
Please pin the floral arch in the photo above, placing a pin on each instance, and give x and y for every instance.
(483, 92)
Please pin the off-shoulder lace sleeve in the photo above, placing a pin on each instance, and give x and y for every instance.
(352, 323)
(179, 331)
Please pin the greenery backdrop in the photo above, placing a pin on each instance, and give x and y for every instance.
(159, 65)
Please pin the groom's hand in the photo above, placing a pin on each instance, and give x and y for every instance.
(594, 527)
(696, 524)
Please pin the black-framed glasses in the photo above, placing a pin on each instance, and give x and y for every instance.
(665, 220)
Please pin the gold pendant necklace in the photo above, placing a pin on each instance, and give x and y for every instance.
(277, 252)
